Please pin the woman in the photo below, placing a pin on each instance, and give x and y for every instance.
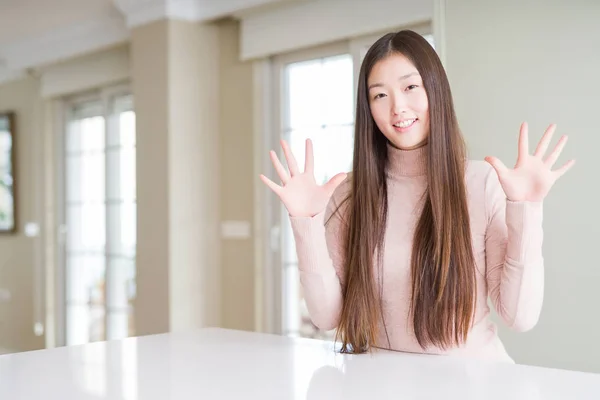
(403, 252)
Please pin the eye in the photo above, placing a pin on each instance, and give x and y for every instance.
(411, 87)
(378, 96)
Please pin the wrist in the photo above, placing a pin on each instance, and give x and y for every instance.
(525, 200)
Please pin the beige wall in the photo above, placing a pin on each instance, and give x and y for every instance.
(237, 178)
(175, 87)
(512, 61)
(149, 66)
(181, 120)
(194, 175)
(164, 65)
(20, 255)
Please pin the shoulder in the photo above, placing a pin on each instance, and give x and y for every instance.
(483, 186)
(480, 175)
(478, 171)
(338, 203)
(344, 188)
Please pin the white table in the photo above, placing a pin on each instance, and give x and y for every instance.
(224, 364)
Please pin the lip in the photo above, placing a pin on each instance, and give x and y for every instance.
(406, 129)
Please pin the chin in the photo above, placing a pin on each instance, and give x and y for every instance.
(417, 144)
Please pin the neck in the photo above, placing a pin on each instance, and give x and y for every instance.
(407, 162)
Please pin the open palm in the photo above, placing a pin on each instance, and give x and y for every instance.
(299, 192)
(532, 177)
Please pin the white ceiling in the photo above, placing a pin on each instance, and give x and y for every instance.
(35, 33)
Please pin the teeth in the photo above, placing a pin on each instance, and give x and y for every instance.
(404, 124)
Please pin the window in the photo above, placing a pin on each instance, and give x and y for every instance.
(319, 104)
(315, 94)
(100, 218)
(7, 189)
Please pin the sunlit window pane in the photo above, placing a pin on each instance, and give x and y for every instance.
(86, 134)
(86, 279)
(127, 128)
(86, 227)
(6, 178)
(89, 326)
(122, 239)
(332, 149)
(122, 281)
(85, 177)
(304, 90)
(337, 91)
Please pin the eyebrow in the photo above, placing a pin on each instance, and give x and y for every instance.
(374, 85)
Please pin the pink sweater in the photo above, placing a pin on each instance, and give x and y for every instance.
(507, 244)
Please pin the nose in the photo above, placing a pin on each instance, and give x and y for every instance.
(398, 104)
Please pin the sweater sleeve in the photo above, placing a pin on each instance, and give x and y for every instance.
(514, 261)
(320, 263)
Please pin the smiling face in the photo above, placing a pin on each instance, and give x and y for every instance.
(398, 102)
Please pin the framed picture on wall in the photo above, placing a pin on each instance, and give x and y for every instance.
(8, 220)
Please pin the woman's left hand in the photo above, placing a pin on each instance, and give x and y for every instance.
(532, 177)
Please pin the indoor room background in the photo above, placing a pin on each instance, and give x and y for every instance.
(132, 139)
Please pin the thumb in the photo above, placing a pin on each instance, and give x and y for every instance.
(497, 165)
(334, 182)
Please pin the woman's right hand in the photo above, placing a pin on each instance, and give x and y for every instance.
(299, 191)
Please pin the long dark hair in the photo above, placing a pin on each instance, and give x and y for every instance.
(442, 263)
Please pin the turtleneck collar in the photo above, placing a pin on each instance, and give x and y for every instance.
(407, 163)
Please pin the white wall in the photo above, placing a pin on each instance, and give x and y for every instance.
(539, 60)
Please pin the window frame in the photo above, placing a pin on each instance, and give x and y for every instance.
(105, 97)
